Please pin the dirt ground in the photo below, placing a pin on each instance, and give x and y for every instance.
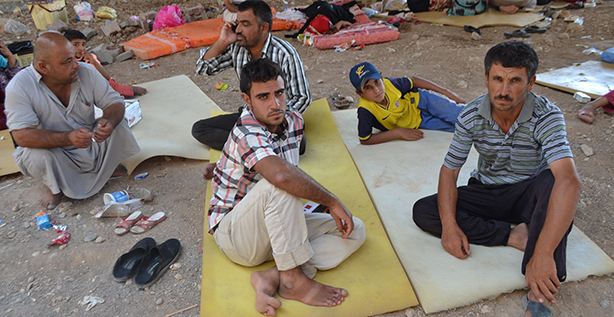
(52, 281)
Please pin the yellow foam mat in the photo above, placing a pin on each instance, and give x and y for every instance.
(169, 109)
(488, 18)
(372, 275)
(398, 173)
(7, 164)
(595, 78)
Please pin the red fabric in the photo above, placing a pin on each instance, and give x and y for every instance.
(321, 23)
(123, 90)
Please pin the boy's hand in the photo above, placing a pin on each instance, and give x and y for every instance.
(87, 57)
(409, 134)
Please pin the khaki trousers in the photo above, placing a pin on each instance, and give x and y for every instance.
(269, 224)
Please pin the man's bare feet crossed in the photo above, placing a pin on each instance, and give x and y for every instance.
(295, 285)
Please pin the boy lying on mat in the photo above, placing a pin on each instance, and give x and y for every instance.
(256, 214)
(399, 106)
(78, 39)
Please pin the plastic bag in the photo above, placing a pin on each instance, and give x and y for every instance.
(608, 55)
(167, 17)
(84, 11)
(106, 13)
(393, 5)
(15, 27)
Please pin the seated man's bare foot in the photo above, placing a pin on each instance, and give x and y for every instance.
(295, 285)
(208, 173)
(50, 200)
(519, 237)
(120, 171)
(138, 91)
(266, 283)
(508, 9)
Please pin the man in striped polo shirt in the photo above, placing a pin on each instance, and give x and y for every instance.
(256, 214)
(525, 175)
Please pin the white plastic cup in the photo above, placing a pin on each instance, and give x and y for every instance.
(116, 197)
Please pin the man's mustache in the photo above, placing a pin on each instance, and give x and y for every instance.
(506, 97)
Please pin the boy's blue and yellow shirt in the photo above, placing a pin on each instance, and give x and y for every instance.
(401, 111)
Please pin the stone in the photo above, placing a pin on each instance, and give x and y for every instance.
(90, 238)
(58, 25)
(587, 150)
(30, 279)
(130, 29)
(110, 29)
(195, 10)
(178, 276)
(151, 15)
(62, 215)
(143, 23)
(604, 303)
(104, 57)
(486, 310)
(11, 235)
(16, 208)
(114, 51)
(175, 266)
(320, 81)
(89, 33)
(159, 301)
(475, 36)
(78, 217)
(100, 240)
(409, 312)
(574, 28)
(26, 224)
(37, 253)
(131, 23)
(46, 251)
(29, 287)
(563, 36)
(62, 247)
(462, 84)
(391, 50)
(124, 56)
(188, 18)
(128, 282)
(415, 37)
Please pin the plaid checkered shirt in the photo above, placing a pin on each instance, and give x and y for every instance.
(248, 143)
(276, 49)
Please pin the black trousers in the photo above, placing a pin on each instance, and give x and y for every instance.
(214, 131)
(485, 212)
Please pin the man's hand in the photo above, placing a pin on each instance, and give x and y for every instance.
(409, 134)
(454, 97)
(228, 35)
(343, 218)
(103, 131)
(341, 24)
(541, 277)
(81, 138)
(454, 240)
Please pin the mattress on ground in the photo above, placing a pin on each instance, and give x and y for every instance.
(488, 18)
(595, 78)
(7, 163)
(169, 109)
(407, 171)
(166, 41)
(362, 34)
(372, 275)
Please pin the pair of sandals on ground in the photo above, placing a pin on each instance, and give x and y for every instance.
(146, 261)
(137, 223)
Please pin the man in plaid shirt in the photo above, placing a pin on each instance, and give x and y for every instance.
(241, 41)
(256, 213)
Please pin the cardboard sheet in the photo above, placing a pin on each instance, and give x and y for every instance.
(407, 171)
(595, 78)
(488, 18)
(169, 109)
(7, 164)
(372, 275)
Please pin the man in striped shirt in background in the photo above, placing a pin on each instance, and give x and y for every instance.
(525, 175)
(241, 41)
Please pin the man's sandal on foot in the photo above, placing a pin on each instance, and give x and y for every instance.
(586, 116)
(124, 225)
(535, 308)
(144, 224)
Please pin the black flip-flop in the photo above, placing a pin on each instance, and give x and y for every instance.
(471, 29)
(535, 29)
(156, 262)
(517, 33)
(126, 265)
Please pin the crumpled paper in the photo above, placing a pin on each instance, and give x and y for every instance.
(91, 301)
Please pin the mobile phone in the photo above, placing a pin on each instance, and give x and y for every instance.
(234, 28)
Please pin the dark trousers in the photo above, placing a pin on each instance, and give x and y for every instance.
(485, 212)
(214, 131)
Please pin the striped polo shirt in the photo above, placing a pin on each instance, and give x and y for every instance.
(536, 139)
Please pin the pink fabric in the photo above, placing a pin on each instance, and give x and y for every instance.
(123, 90)
(610, 97)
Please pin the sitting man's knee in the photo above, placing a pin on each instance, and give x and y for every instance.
(359, 230)
(422, 211)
